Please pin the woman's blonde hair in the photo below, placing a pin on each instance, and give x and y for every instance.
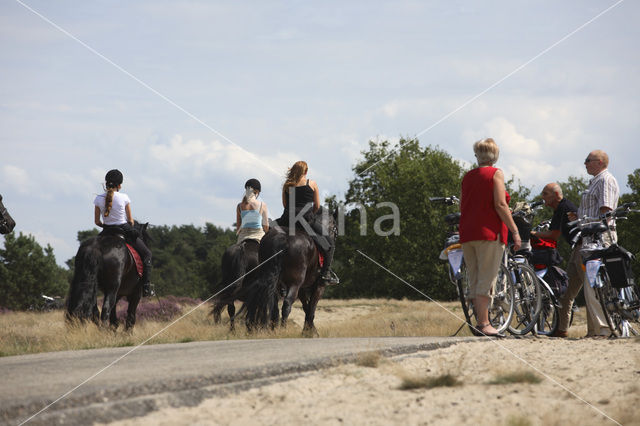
(486, 151)
(294, 174)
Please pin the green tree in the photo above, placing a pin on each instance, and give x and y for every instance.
(629, 230)
(27, 271)
(406, 176)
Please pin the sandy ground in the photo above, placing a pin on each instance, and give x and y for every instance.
(584, 382)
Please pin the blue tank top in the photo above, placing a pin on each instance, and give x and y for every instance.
(251, 218)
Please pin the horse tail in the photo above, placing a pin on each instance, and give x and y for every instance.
(234, 265)
(261, 293)
(81, 301)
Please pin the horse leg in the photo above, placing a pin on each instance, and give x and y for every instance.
(95, 314)
(291, 297)
(217, 309)
(309, 329)
(113, 316)
(108, 304)
(133, 299)
(231, 310)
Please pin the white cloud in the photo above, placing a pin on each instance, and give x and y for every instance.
(197, 158)
(16, 177)
(510, 141)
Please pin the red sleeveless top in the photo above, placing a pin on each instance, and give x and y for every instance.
(478, 217)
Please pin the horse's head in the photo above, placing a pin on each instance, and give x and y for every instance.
(6, 221)
(142, 230)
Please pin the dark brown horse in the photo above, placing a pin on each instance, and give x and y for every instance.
(237, 260)
(104, 263)
(291, 268)
(6, 221)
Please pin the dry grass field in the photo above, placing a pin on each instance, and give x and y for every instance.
(32, 332)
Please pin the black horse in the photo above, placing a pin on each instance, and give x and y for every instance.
(6, 221)
(292, 269)
(105, 263)
(237, 260)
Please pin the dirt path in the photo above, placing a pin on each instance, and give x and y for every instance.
(584, 382)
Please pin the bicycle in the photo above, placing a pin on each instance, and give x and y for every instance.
(528, 293)
(608, 271)
(553, 279)
(501, 306)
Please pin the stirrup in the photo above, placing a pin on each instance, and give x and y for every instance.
(330, 278)
(147, 290)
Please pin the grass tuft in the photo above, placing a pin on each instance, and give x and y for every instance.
(369, 359)
(516, 377)
(518, 421)
(444, 380)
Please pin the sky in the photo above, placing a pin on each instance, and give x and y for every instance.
(189, 99)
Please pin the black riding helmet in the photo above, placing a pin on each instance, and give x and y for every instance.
(253, 183)
(113, 178)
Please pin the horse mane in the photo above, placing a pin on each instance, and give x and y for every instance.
(6, 221)
(142, 229)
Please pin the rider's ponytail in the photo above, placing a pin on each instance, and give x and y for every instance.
(108, 201)
(296, 171)
(249, 194)
(113, 180)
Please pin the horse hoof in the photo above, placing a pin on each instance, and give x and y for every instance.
(310, 332)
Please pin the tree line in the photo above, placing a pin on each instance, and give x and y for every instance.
(187, 258)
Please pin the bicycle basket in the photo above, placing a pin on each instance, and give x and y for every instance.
(618, 263)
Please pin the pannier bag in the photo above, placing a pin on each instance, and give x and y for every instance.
(618, 263)
(557, 279)
(544, 253)
(541, 258)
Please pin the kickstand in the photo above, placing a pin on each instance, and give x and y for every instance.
(160, 305)
(464, 324)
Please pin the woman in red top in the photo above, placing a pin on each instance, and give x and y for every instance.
(484, 211)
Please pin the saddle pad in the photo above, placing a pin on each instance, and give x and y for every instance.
(136, 258)
(320, 259)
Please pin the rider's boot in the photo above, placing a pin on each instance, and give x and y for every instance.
(147, 287)
(326, 274)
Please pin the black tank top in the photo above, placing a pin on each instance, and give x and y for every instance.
(303, 195)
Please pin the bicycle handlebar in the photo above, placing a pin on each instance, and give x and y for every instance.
(446, 200)
(618, 213)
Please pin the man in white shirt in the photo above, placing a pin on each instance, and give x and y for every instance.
(600, 197)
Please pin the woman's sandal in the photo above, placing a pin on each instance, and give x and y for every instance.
(480, 328)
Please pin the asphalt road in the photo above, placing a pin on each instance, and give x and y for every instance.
(86, 386)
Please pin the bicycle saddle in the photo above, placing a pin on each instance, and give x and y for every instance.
(452, 218)
(594, 228)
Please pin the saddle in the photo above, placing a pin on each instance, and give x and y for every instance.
(319, 246)
(136, 258)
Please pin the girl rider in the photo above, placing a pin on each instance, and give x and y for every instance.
(113, 213)
(252, 221)
(298, 193)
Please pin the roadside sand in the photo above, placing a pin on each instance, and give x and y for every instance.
(583, 382)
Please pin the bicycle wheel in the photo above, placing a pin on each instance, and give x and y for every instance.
(623, 310)
(502, 301)
(608, 296)
(463, 295)
(630, 311)
(548, 319)
(527, 299)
